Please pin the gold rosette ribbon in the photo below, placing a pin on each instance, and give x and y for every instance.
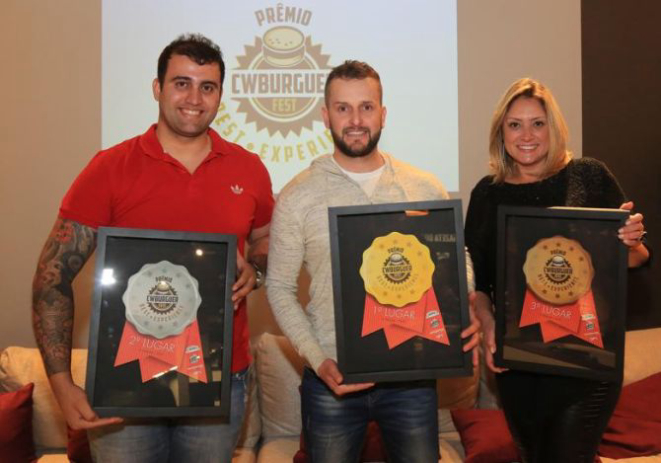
(559, 275)
(397, 271)
(161, 330)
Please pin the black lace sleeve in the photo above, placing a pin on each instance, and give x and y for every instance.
(593, 185)
(611, 189)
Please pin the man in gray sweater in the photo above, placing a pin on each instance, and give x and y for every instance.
(335, 415)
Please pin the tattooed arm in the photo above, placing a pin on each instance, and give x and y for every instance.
(67, 248)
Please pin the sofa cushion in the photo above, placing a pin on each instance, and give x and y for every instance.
(458, 392)
(641, 358)
(251, 429)
(78, 447)
(635, 427)
(20, 366)
(16, 425)
(279, 370)
(280, 450)
(454, 393)
(485, 436)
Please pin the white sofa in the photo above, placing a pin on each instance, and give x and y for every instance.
(272, 428)
(273, 423)
(20, 366)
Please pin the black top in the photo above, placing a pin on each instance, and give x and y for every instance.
(583, 182)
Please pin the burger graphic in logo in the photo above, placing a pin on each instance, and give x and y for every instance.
(284, 46)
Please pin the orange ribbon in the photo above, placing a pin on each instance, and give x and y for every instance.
(422, 318)
(578, 319)
(182, 353)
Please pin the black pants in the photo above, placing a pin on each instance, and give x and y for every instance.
(556, 419)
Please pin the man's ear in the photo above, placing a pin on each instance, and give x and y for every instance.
(324, 116)
(156, 89)
(383, 117)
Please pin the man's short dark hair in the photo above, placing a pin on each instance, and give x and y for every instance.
(352, 69)
(196, 47)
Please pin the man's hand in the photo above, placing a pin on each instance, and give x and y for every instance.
(245, 281)
(331, 375)
(484, 314)
(472, 332)
(75, 407)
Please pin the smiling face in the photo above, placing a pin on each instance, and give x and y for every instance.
(189, 98)
(526, 134)
(354, 115)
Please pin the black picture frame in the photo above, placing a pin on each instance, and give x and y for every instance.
(209, 261)
(436, 224)
(526, 347)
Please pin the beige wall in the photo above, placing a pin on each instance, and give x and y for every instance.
(500, 41)
(50, 125)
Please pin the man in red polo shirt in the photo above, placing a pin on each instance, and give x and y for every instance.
(178, 175)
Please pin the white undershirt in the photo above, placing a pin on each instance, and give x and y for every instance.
(366, 180)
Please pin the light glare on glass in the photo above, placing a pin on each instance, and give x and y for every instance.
(107, 277)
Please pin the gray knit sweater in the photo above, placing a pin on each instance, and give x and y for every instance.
(300, 236)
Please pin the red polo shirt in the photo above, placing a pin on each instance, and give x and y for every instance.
(137, 185)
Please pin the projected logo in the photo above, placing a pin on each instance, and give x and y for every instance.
(280, 81)
(277, 90)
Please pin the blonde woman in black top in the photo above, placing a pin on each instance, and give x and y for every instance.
(552, 418)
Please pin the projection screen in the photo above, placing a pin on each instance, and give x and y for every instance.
(277, 57)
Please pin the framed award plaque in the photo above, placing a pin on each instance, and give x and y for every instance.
(400, 291)
(161, 324)
(561, 291)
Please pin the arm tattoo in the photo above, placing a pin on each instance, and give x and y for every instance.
(67, 248)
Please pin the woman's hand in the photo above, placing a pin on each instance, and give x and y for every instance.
(631, 235)
(485, 315)
(472, 332)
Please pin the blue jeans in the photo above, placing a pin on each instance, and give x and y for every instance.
(334, 427)
(175, 440)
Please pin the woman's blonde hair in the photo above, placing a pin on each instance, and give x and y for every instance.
(502, 165)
